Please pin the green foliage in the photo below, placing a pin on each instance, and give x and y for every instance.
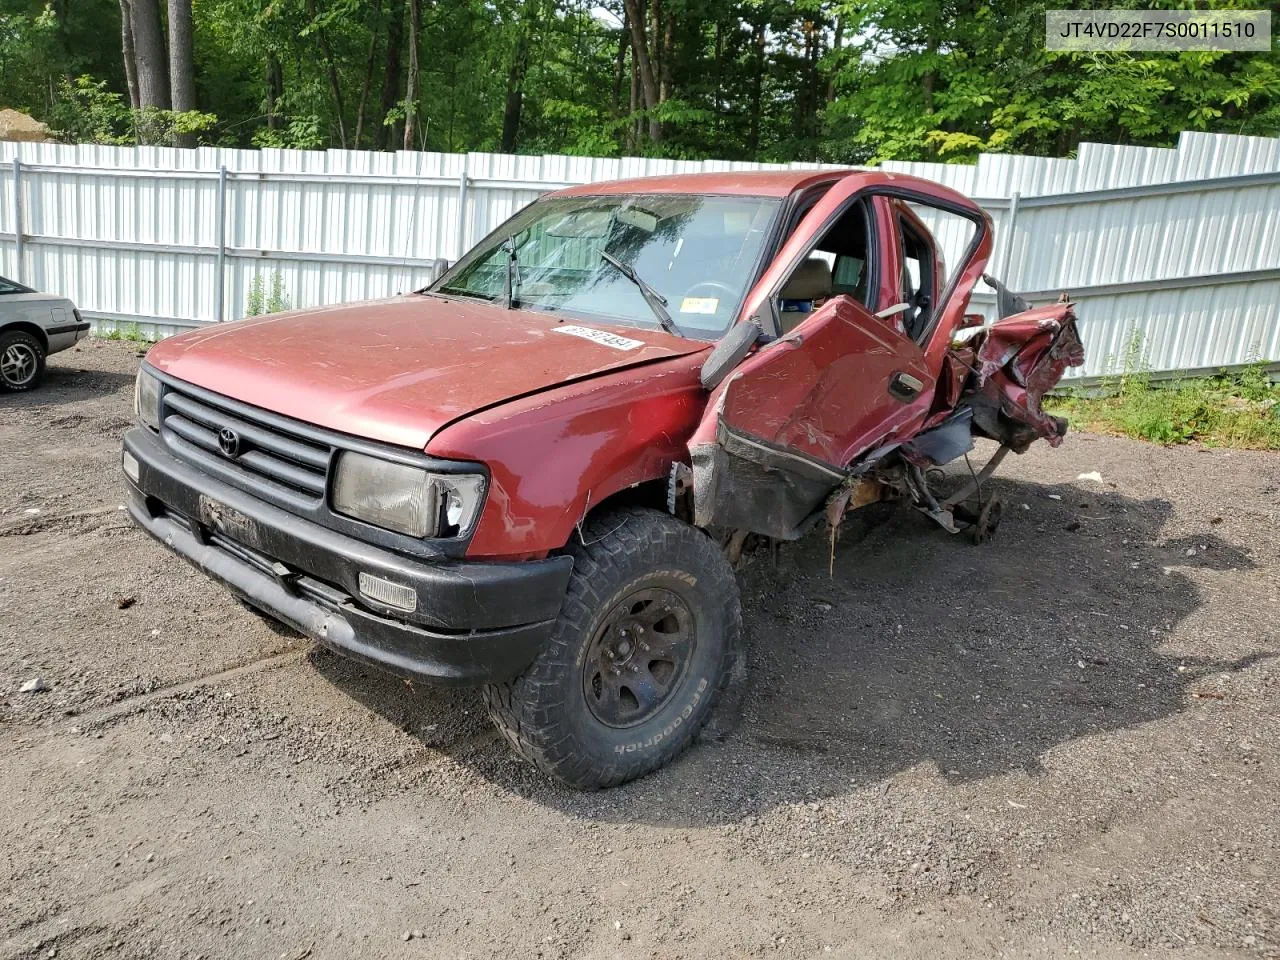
(261, 301)
(774, 80)
(1239, 409)
(85, 111)
(301, 133)
(928, 80)
(126, 331)
(45, 41)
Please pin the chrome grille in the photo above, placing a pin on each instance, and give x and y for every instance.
(267, 453)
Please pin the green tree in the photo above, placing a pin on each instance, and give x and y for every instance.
(776, 80)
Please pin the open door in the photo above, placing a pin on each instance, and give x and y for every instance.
(783, 429)
(791, 418)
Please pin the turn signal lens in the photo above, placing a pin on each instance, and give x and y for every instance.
(392, 594)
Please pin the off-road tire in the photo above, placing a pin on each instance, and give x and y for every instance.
(30, 347)
(544, 712)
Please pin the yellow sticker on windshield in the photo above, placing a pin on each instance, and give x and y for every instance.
(699, 304)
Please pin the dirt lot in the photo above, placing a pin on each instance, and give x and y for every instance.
(1064, 742)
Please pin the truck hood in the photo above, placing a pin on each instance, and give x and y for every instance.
(398, 370)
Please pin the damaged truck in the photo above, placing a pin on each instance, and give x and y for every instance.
(534, 475)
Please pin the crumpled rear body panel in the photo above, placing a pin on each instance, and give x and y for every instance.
(1019, 360)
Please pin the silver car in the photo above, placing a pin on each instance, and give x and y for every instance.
(32, 326)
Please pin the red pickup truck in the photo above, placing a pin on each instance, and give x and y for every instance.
(534, 475)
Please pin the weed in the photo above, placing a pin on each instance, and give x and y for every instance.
(260, 301)
(127, 331)
(1239, 409)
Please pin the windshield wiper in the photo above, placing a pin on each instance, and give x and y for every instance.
(511, 284)
(656, 301)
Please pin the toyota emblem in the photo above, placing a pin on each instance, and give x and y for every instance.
(229, 442)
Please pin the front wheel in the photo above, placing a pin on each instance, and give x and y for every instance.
(645, 643)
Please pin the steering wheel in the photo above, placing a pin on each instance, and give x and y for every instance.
(726, 292)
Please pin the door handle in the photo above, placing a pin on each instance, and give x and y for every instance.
(905, 387)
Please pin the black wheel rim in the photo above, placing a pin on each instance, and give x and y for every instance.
(639, 656)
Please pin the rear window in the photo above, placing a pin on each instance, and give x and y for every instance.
(10, 286)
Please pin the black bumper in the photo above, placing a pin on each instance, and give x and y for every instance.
(475, 622)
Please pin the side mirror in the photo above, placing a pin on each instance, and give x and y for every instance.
(438, 267)
(728, 353)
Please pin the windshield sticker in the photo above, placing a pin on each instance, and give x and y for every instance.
(699, 304)
(600, 336)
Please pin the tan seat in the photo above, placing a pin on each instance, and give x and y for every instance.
(811, 281)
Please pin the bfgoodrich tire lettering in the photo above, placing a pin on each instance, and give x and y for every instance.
(636, 567)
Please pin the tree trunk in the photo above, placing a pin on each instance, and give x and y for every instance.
(331, 68)
(619, 65)
(836, 44)
(370, 63)
(807, 112)
(644, 64)
(654, 38)
(757, 90)
(126, 47)
(515, 83)
(182, 68)
(667, 58)
(387, 134)
(930, 77)
(411, 87)
(274, 78)
(718, 47)
(149, 53)
(633, 131)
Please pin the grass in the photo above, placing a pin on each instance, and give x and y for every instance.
(126, 331)
(1239, 409)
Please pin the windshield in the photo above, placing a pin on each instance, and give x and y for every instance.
(697, 253)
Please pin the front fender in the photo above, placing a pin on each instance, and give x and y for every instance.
(554, 455)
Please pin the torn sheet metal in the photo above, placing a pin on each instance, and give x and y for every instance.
(1020, 360)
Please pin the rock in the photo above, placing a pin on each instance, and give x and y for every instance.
(35, 685)
(15, 125)
(408, 935)
(1093, 475)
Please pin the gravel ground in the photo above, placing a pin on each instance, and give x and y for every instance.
(1064, 742)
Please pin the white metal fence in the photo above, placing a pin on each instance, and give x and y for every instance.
(1181, 244)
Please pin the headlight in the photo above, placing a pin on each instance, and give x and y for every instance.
(146, 399)
(406, 499)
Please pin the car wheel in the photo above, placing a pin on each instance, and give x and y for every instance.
(644, 646)
(21, 360)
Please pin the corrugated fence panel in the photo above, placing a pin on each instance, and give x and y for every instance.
(1149, 237)
(133, 232)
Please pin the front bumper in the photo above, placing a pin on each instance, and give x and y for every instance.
(474, 622)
